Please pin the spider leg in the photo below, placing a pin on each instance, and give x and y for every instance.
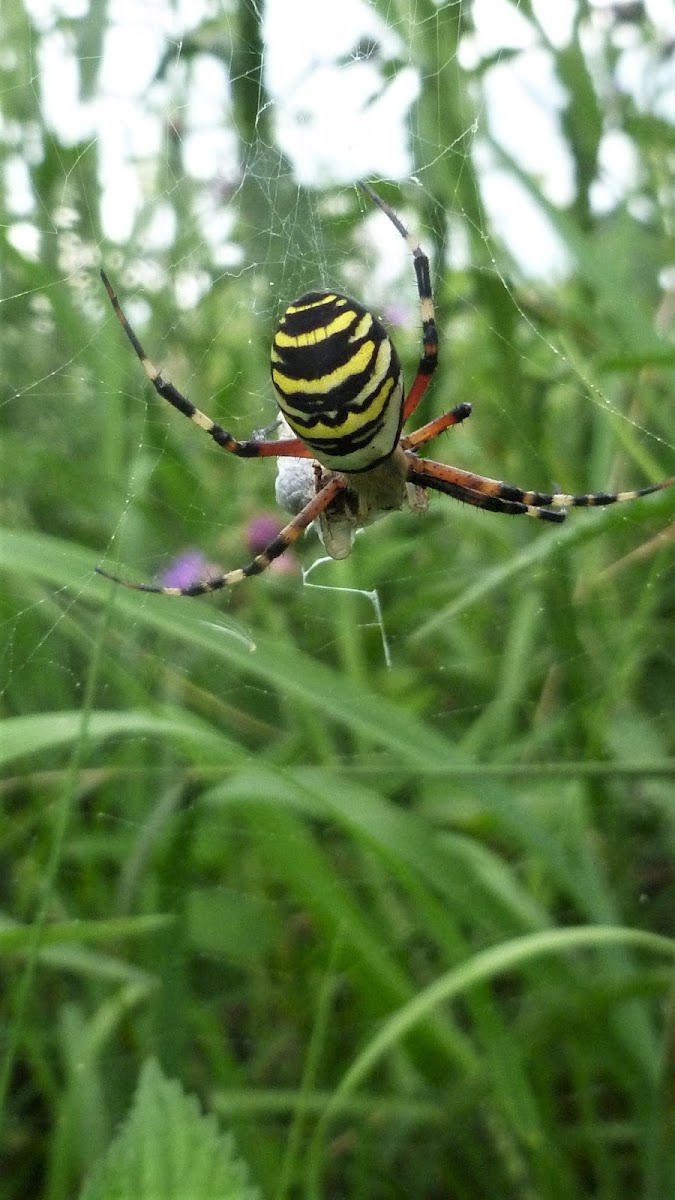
(288, 535)
(602, 499)
(496, 496)
(454, 482)
(432, 429)
(429, 358)
(254, 448)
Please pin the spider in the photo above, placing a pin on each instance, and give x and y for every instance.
(339, 387)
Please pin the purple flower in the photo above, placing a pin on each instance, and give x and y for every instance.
(262, 530)
(190, 567)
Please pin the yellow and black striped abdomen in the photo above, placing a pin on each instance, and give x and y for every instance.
(338, 381)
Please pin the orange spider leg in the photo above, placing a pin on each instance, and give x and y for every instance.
(432, 429)
(288, 535)
(496, 496)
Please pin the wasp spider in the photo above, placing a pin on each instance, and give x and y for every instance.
(339, 387)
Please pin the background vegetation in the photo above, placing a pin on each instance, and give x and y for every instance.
(367, 913)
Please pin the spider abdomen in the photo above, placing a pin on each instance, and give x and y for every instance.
(338, 381)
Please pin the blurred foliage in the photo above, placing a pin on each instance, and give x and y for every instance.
(234, 838)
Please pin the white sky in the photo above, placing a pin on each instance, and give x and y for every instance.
(335, 123)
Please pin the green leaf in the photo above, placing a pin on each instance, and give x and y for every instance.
(168, 1150)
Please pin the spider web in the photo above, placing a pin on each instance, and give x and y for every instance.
(346, 103)
(349, 101)
(178, 162)
(211, 204)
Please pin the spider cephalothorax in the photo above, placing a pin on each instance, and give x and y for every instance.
(340, 391)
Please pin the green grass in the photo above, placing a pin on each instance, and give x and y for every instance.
(405, 930)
